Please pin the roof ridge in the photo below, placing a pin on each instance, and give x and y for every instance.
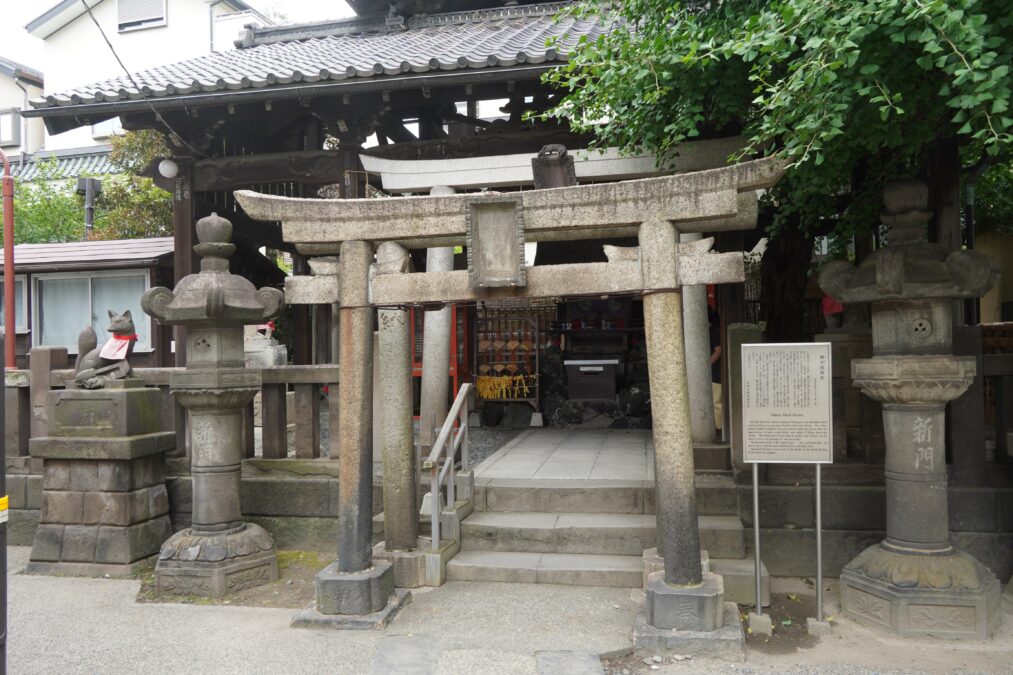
(444, 46)
(12, 68)
(256, 35)
(506, 12)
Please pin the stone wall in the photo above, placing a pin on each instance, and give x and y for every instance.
(295, 500)
(854, 517)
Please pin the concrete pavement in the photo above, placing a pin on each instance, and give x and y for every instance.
(71, 625)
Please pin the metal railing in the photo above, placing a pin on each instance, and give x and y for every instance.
(442, 457)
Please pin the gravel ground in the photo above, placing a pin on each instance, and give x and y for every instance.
(484, 441)
(69, 625)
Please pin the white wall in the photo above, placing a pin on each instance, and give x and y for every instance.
(228, 28)
(76, 55)
(11, 96)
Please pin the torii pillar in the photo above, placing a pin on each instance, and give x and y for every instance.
(683, 598)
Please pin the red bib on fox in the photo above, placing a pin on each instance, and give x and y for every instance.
(116, 347)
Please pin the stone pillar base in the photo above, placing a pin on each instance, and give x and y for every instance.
(943, 596)
(214, 565)
(1007, 597)
(354, 600)
(727, 642)
(694, 608)
(363, 592)
(311, 618)
(421, 566)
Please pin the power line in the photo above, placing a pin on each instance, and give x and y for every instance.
(172, 132)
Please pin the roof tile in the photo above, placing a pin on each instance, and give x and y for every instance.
(491, 38)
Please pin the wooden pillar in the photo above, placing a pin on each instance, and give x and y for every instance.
(944, 193)
(184, 238)
(307, 425)
(274, 421)
(302, 333)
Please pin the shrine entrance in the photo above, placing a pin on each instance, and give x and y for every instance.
(683, 593)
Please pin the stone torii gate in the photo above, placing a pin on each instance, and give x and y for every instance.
(494, 227)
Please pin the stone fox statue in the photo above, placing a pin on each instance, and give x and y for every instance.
(95, 365)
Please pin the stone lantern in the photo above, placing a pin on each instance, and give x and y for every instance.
(218, 553)
(915, 582)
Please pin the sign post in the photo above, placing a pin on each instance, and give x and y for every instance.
(787, 418)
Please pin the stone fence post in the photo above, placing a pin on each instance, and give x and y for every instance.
(41, 362)
(17, 412)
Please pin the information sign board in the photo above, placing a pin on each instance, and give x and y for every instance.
(787, 403)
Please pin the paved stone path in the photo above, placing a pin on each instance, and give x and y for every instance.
(581, 454)
(68, 625)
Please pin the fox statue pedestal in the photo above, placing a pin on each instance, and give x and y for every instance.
(105, 510)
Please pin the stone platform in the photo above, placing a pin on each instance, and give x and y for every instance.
(105, 509)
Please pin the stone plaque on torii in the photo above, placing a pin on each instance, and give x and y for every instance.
(683, 596)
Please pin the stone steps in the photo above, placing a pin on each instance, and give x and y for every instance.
(590, 533)
(575, 569)
(568, 569)
(715, 492)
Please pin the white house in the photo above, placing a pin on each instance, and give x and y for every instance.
(18, 84)
(143, 33)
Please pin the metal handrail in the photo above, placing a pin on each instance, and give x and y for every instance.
(442, 457)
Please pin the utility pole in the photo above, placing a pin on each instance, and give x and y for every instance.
(90, 188)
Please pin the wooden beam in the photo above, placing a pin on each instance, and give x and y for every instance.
(309, 166)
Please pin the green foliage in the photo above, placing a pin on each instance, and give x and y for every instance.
(993, 204)
(47, 209)
(134, 150)
(132, 207)
(850, 92)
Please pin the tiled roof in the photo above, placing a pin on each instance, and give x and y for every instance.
(15, 69)
(363, 49)
(67, 165)
(116, 252)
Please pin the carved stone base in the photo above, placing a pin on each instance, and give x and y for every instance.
(685, 608)
(950, 595)
(363, 592)
(311, 618)
(727, 642)
(214, 565)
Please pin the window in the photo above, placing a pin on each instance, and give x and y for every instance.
(10, 127)
(137, 14)
(20, 315)
(66, 303)
(105, 129)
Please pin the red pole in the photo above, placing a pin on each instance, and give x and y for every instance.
(10, 361)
